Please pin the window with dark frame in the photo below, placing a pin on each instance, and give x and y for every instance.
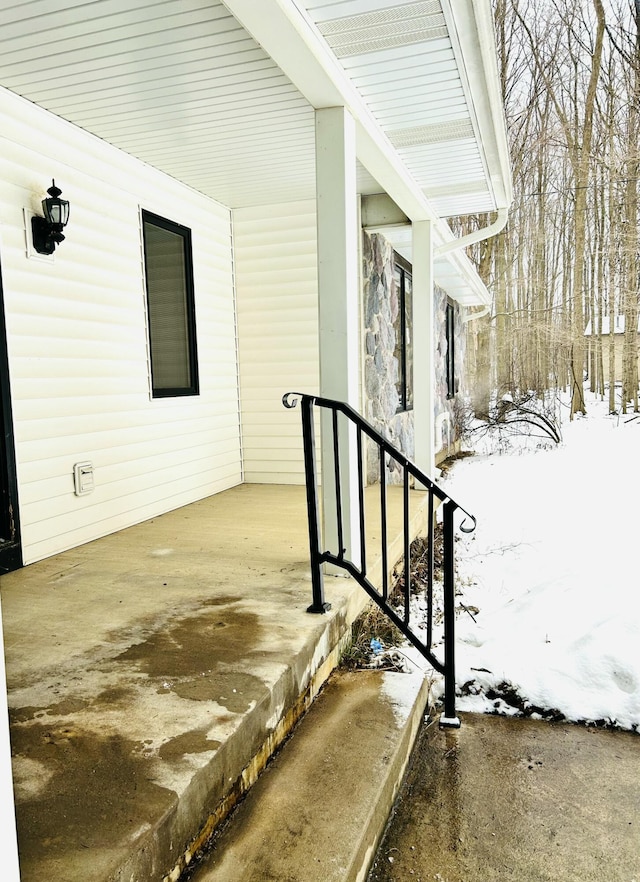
(403, 326)
(451, 351)
(171, 307)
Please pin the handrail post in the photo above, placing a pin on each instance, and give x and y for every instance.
(319, 604)
(430, 559)
(406, 540)
(449, 719)
(384, 548)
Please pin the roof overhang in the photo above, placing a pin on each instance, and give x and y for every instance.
(221, 95)
(293, 39)
(453, 272)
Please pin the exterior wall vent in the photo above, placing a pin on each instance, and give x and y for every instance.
(83, 481)
(456, 130)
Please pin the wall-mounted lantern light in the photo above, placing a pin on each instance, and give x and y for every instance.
(47, 230)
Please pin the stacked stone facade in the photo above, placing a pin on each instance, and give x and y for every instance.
(381, 368)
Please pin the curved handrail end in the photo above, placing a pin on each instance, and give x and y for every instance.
(469, 521)
(290, 399)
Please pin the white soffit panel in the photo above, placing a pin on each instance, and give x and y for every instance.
(401, 59)
(177, 83)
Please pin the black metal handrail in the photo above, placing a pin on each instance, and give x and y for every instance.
(436, 496)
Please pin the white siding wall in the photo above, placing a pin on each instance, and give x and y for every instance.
(277, 291)
(78, 345)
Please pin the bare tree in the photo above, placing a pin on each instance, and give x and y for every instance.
(569, 255)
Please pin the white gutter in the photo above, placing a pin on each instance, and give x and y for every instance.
(470, 317)
(477, 236)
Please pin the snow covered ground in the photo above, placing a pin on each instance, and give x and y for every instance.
(552, 568)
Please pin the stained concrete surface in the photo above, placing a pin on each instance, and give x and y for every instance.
(319, 808)
(505, 798)
(150, 673)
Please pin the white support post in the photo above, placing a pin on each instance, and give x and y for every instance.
(424, 345)
(339, 315)
(10, 867)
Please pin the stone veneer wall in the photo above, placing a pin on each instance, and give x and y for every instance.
(381, 369)
(380, 309)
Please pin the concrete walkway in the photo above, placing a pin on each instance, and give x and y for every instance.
(152, 673)
(504, 798)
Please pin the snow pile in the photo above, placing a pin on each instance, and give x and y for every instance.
(551, 569)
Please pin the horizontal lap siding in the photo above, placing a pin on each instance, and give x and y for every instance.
(277, 291)
(78, 344)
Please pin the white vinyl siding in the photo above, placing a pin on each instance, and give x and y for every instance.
(77, 339)
(277, 292)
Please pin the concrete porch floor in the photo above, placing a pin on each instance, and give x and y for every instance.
(151, 673)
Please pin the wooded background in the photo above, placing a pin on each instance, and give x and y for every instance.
(568, 259)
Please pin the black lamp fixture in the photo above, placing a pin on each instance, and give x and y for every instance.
(47, 230)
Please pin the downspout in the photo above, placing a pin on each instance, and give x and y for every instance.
(470, 239)
(475, 315)
(477, 236)
(441, 419)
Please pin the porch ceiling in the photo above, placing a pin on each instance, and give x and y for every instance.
(416, 65)
(181, 85)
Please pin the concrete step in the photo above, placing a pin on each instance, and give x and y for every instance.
(320, 807)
